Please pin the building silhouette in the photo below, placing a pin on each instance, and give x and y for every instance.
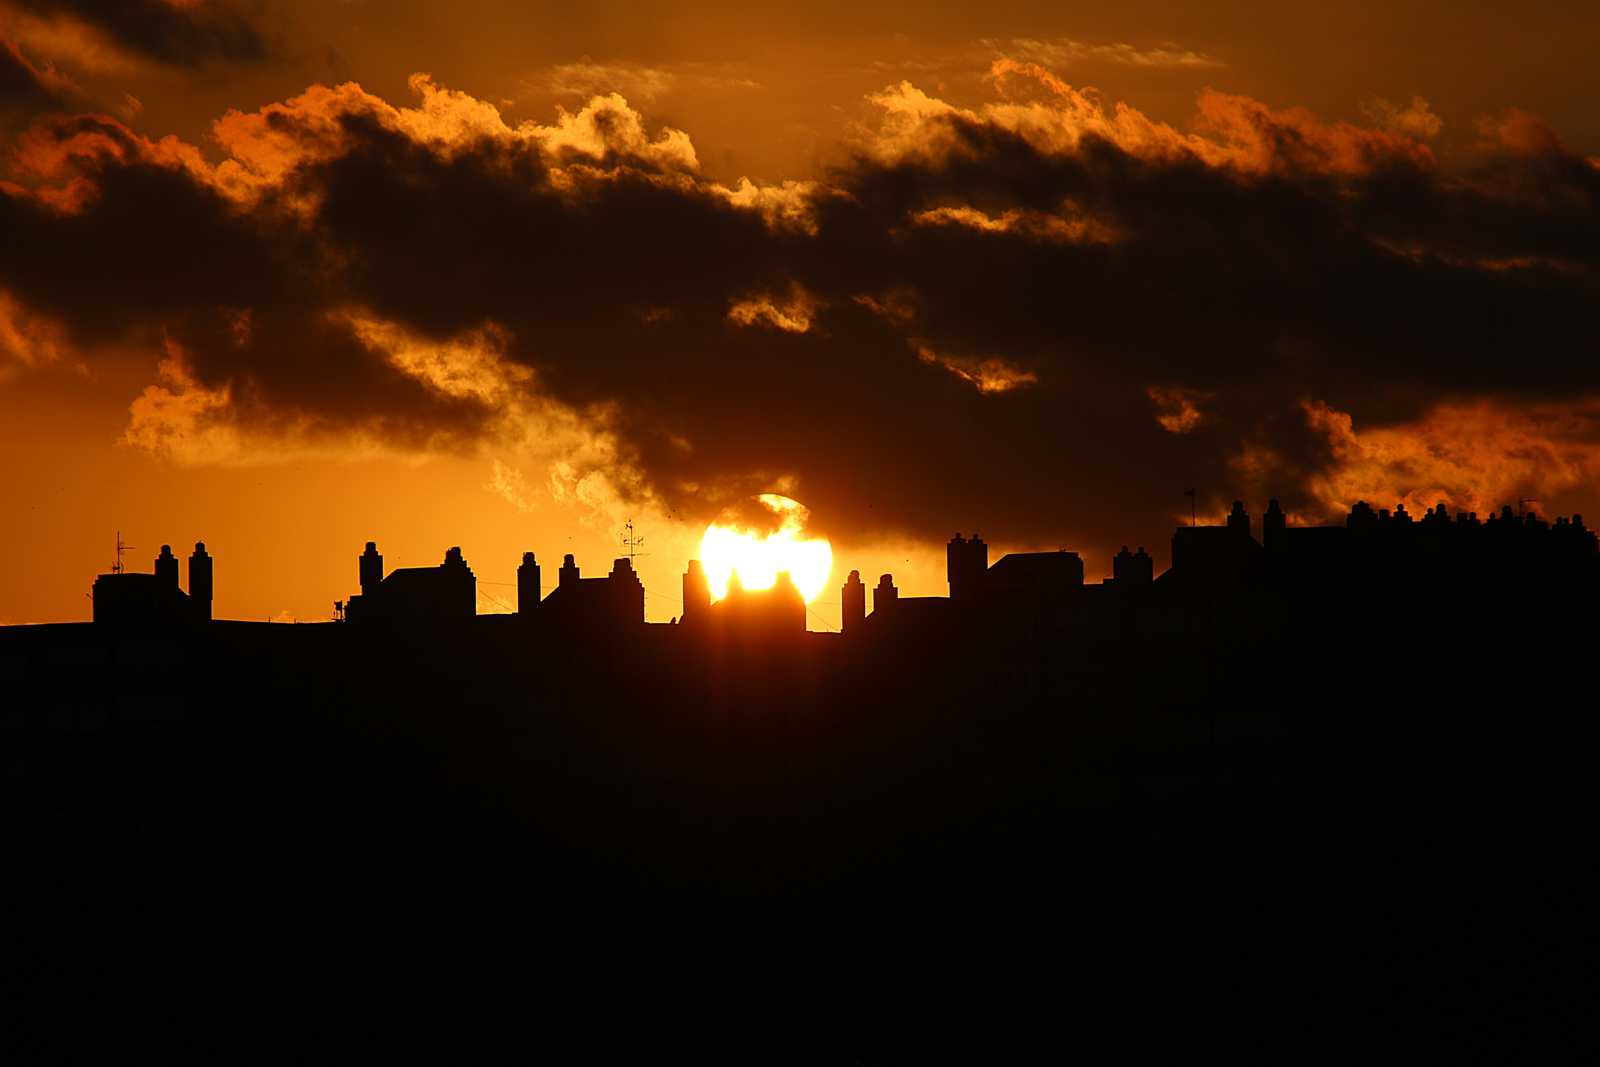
(446, 593)
(885, 598)
(1034, 574)
(1033, 745)
(1132, 569)
(131, 599)
(753, 614)
(966, 565)
(594, 604)
(1215, 555)
(1021, 593)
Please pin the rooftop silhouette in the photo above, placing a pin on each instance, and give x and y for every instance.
(1290, 721)
(1372, 548)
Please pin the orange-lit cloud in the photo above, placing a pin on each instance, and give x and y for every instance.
(1230, 131)
(1178, 410)
(1064, 53)
(63, 39)
(181, 419)
(1471, 456)
(1415, 119)
(638, 82)
(117, 36)
(1064, 226)
(27, 338)
(596, 324)
(25, 84)
(511, 485)
(990, 375)
(792, 312)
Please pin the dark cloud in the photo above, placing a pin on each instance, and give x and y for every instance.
(178, 34)
(26, 88)
(980, 321)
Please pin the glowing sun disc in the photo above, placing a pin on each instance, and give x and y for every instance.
(759, 559)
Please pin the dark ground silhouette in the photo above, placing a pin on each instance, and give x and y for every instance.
(1285, 807)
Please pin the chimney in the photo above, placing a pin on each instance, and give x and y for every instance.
(1239, 519)
(853, 601)
(696, 592)
(885, 594)
(1272, 525)
(167, 569)
(529, 588)
(371, 569)
(200, 579)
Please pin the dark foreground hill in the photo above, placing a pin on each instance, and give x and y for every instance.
(1271, 832)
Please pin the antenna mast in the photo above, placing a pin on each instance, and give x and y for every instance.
(630, 541)
(116, 568)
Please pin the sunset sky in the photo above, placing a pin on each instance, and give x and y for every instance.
(287, 277)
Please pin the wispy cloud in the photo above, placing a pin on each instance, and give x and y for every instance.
(1415, 119)
(1060, 52)
(510, 484)
(639, 83)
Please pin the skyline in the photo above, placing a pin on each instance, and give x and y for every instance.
(501, 278)
(1298, 550)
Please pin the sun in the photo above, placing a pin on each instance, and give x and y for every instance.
(759, 559)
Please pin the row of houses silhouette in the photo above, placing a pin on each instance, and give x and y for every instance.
(1207, 560)
(124, 597)
(1371, 545)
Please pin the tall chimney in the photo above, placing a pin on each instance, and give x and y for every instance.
(853, 603)
(200, 578)
(529, 588)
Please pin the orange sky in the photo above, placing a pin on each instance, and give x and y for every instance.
(845, 96)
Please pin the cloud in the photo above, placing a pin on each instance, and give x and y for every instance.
(25, 338)
(792, 312)
(1415, 119)
(181, 419)
(110, 35)
(28, 87)
(587, 78)
(640, 83)
(511, 485)
(1471, 456)
(989, 375)
(1061, 53)
(1178, 410)
(1043, 314)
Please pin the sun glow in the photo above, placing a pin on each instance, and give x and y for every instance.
(760, 558)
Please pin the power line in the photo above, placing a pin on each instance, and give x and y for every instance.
(813, 616)
(495, 600)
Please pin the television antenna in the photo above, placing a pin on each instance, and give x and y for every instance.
(116, 568)
(631, 541)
